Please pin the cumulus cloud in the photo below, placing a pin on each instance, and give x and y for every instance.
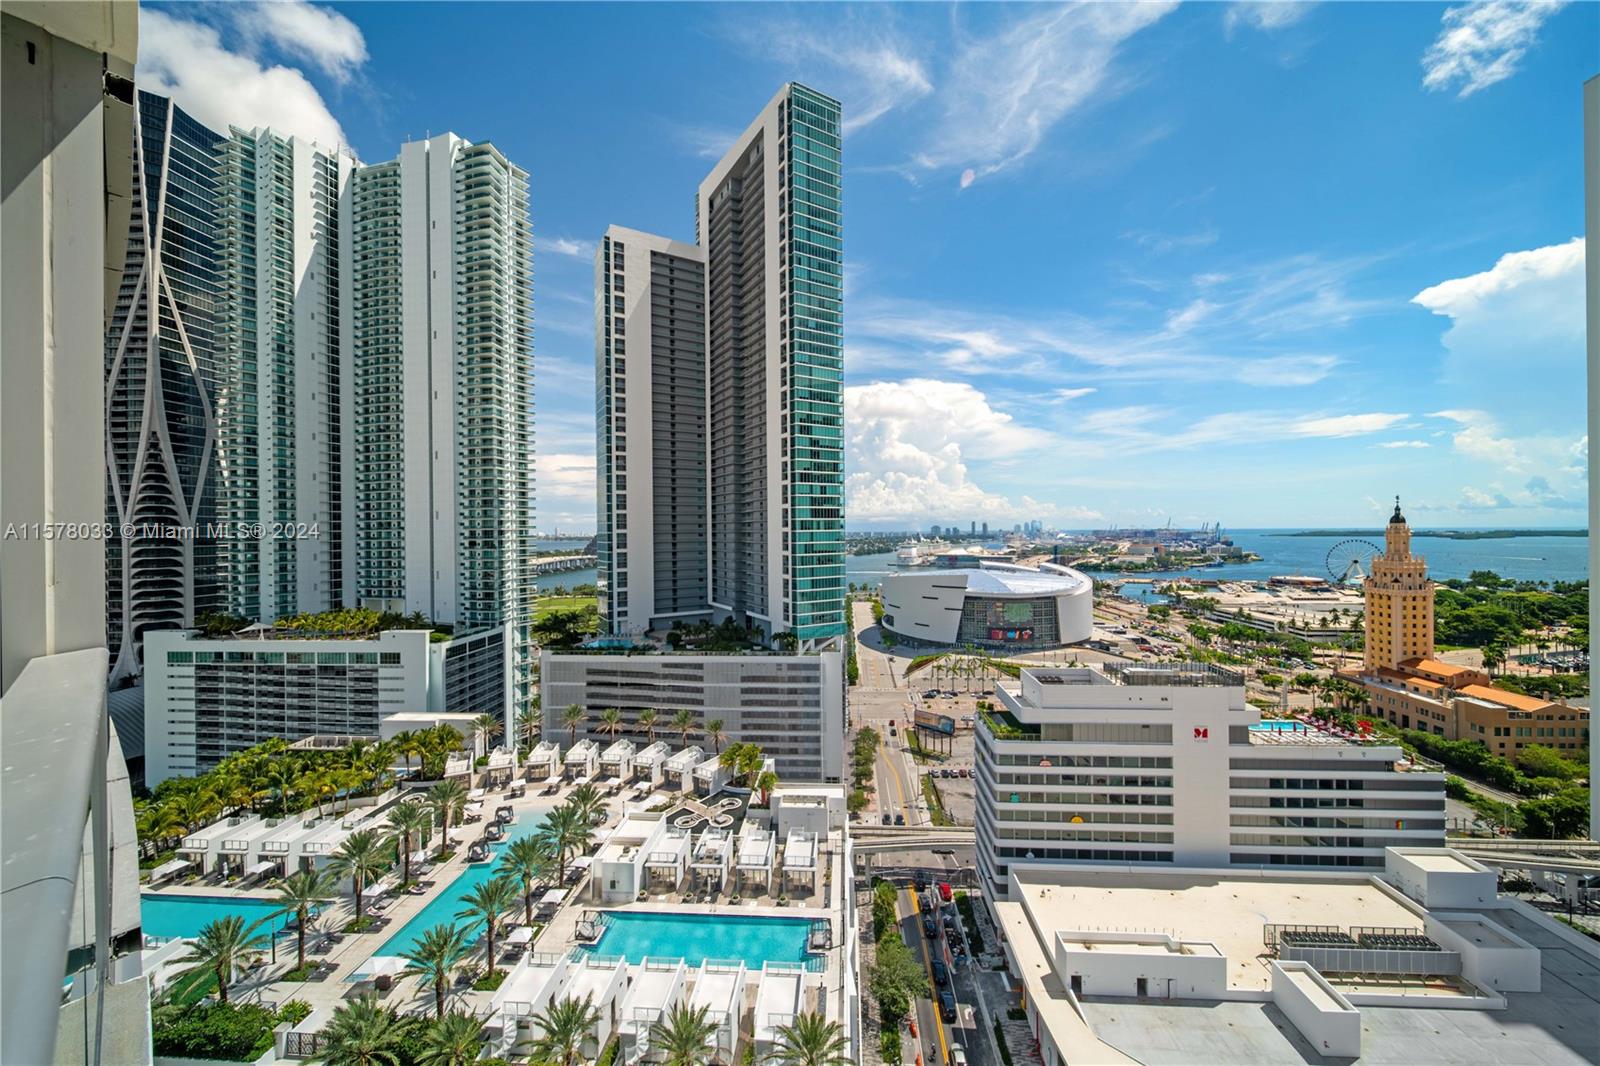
(1481, 44)
(187, 61)
(1007, 90)
(321, 34)
(909, 444)
(1525, 311)
(564, 489)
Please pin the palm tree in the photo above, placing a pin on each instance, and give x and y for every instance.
(610, 722)
(681, 1035)
(445, 800)
(563, 833)
(485, 727)
(195, 808)
(563, 1027)
(454, 1040)
(362, 857)
(810, 1040)
(573, 717)
(587, 799)
(526, 860)
(409, 820)
(647, 723)
(299, 895)
(489, 901)
(362, 1033)
(434, 958)
(527, 726)
(224, 948)
(684, 723)
(715, 734)
(407, 744)
(766, 781)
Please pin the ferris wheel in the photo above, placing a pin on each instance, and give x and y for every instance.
(1350, 561)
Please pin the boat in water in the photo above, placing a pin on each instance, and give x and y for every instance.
(918, 552)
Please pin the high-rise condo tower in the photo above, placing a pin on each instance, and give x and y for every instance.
(769, 323)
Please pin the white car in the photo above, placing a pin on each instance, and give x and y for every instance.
(958, 1055)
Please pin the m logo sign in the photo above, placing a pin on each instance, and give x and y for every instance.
(1202, 732)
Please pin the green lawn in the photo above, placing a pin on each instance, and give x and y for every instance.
(549, 604)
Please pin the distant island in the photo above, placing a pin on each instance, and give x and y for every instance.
(1441, 534)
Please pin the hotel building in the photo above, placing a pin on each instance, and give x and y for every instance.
(206, 698)
(1165, 763)
(764, 412)
(1413, 690)
(791, 705)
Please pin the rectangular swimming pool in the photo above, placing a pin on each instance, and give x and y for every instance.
(697, 937)
(442, 909)
(174, 915)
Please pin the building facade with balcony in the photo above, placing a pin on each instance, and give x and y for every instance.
(206, 698)
(1165, 763)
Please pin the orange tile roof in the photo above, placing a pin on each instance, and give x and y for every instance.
(1514, 700)
(1434, 666)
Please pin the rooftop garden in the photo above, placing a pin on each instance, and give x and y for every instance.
(1003, 725)
(342, 623)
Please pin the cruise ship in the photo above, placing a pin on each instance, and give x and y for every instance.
(919, 552)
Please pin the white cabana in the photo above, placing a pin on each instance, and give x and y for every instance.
(582, 760)
(658, 985)
(757, 847)
(719, 989)
(260, 868)
(681, 766)
(618, 759)
(167, 869)
(544, 761)
(800, 859)
(710, 776)
(650, 762)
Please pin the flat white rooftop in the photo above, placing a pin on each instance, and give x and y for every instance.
(1439, 861)
(1230, 914)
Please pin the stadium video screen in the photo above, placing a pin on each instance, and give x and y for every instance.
(1017, 613)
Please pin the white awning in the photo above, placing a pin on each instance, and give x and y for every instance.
(522, 934)
(261, 868)
(554, 897)
(380, 966)
(475, 794)
(582, 862)
(167, 869)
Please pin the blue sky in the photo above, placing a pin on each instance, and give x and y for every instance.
(1268, 264)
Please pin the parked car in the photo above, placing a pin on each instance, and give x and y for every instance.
(931, 694)
(944, 891)
(966, 771)
(947, 1005)
(941, 975)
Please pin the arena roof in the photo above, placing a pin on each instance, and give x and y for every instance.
(1005, 580)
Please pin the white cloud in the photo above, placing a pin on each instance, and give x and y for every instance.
(1525, 312)
(187, 61)
(564, 489)
(1072, 394)
(1006, 91)
(1402, 444)
(567, 246)
(705, 142)
(1346, 425)
(860, 58)
(321, 34)
(909, 444)
(1264, 15)
(1162, 243)
(1480, 44)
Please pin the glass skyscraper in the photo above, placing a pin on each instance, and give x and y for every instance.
(753, 368)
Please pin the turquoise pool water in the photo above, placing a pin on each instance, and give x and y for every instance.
(442, 909)
(1278, 726)
(698, 937)
(168, 916)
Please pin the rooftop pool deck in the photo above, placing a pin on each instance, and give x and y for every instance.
(752, 939)
(443, 908)
(168, 916)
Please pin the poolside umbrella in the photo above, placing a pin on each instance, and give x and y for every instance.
(522, 934)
